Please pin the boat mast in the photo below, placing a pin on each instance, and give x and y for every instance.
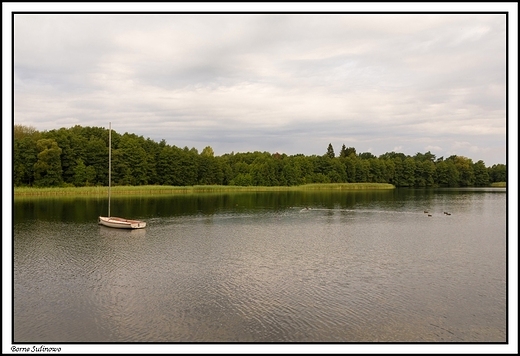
(109, 163)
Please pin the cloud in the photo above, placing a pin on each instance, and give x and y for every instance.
(270, 82)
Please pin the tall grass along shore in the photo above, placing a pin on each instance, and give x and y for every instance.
(499, 185)
(166, 190)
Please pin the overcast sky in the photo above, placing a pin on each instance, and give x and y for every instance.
(287, 83)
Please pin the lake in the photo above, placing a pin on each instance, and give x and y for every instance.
(322, 266)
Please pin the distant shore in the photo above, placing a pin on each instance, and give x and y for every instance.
(499, 185)
(102, 191)
(167, 190)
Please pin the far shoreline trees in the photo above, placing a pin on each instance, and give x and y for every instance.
(78, 156)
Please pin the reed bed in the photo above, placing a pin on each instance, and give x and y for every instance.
(169, 190)
(499, 185)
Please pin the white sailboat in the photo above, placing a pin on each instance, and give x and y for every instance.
(111, 221)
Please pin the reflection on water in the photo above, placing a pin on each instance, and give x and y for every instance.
(110, 233)
(262, 267)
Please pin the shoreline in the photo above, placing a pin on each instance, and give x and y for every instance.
(102, 191)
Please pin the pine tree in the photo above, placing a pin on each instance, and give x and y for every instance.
(330, 151)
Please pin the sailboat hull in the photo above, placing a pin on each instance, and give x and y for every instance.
(120, 223)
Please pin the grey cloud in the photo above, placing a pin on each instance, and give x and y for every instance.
(269, 81)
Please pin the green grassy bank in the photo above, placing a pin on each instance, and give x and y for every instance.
(167, 190)
(499, 185)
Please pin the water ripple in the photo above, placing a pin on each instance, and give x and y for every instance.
(355, 273)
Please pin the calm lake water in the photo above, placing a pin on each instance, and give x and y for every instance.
(366, 266)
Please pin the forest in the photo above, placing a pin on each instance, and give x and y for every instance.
(79, 156)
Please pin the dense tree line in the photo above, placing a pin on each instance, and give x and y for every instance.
(78, 156)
